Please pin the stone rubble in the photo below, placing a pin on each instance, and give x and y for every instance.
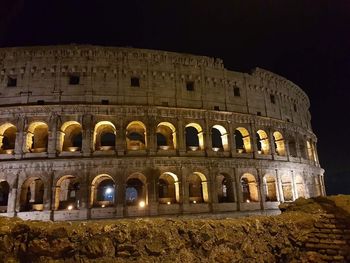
(313, 230)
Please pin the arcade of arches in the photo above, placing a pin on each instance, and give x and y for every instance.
(165, 193)
(106, 138)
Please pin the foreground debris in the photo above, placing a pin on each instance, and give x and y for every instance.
(313, 230)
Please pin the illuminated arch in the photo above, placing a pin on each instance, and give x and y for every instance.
(166, 136)
(71, 136)
(136, 136)
(104, 136)
(194, 136)
(292, 146)
(32, 194)
(249, 188)
(37, 137)
(279, 143)
(67, 195)
(242, 140)
(270, 187)
(7, 138)
(168, 188)
(103, 192)
(136, 190)
(309, 151)
(263, 142)
(220, 138)
(224, 188)
(198, 188)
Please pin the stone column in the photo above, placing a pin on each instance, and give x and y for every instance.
(151, 137)
(273, 150)
(181, 136)
(238, 189)
(152, 175)
(254, 139)
(213, 196)
(261, 189)
(120, 197)
(184, 189)
(51, 145)
(12, 199)
(279, 187)
(294, 187)
(207, 136)
(87, 131)
(20, 137)
(231, 139)
(120, 140)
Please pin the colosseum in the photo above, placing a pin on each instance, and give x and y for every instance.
(91, 132)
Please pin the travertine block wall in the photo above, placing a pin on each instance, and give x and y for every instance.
(135, 91)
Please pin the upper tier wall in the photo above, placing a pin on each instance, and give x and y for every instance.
(32, 75)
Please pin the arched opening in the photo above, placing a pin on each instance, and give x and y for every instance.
(32, 195)
(219, 138)
(279, 143)
(287, 188)
(292, 147)
(299, 181)
(262, 142)
(103, 191)
(198, 188)
(224, 188)
(104, 136)
(37, 137)
(302, 148)
(136, 136)
(7, 138)
(71, 136)
(249, 188)
(67, 193)
(194, 137)
(168, 188)
(309, 150)
(136, 191)
(4, 195)
(270, 188)
(242, 140)
(166, 136)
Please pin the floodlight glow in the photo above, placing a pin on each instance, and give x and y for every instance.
(109, 190)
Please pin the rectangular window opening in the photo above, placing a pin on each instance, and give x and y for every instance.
(190, 85)
(104, 102)
(135, 82)
(40, 102)
(236, 92)
(74, 80)
(272, 99)
(258, 113)
(216, 108)
(165, 104)
(11, 81)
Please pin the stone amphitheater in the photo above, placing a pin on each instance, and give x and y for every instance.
(91, 132)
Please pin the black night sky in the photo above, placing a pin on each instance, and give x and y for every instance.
(306, 41)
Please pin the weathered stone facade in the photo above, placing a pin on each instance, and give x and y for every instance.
(97, 132)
